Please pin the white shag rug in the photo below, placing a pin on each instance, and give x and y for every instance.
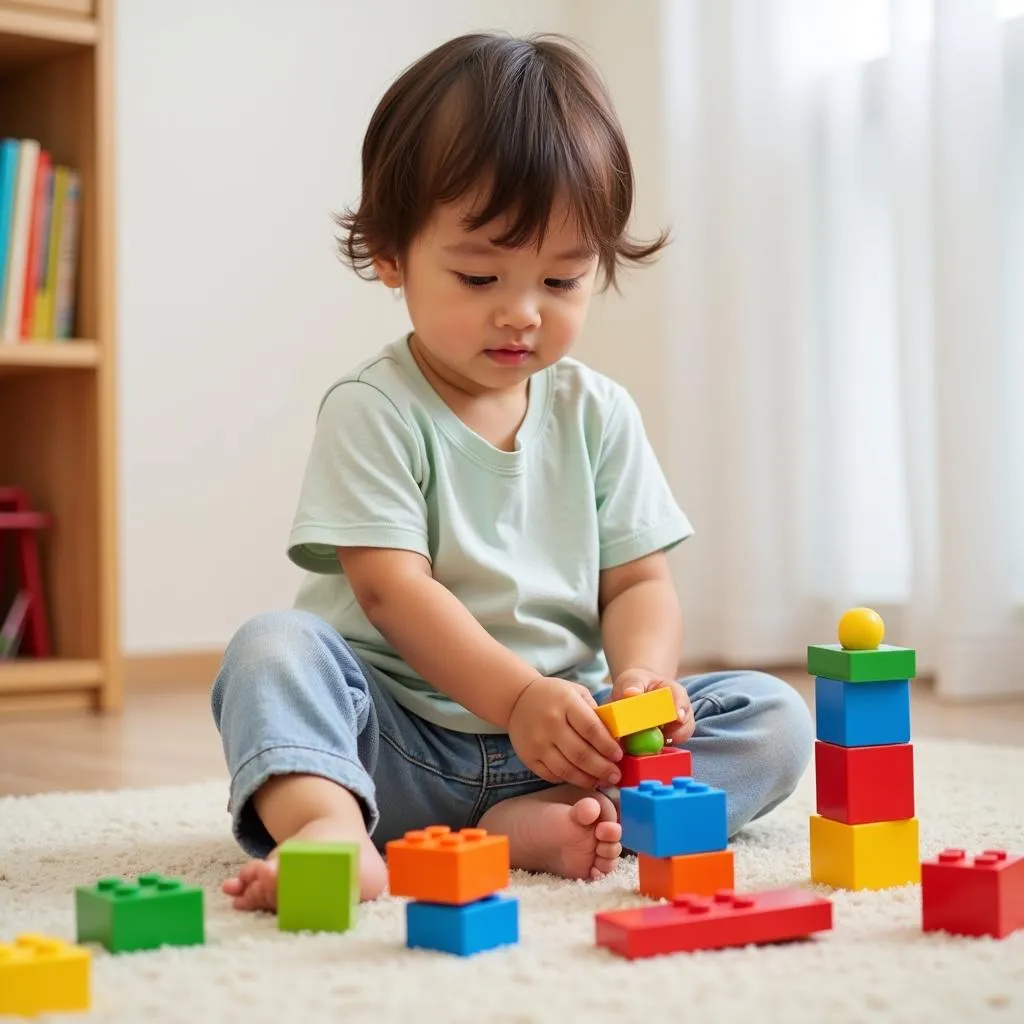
(876, 965)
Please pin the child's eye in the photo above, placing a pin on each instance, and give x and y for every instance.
(563, 284)
(474, 281)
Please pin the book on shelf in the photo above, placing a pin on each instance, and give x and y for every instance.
(40, 210)
(14, 624)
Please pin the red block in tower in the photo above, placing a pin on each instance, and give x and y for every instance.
(857, 785)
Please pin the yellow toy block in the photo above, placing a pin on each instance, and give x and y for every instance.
(43, 975)
(876, 855)
(641, 711)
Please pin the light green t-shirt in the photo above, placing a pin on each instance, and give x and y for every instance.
(519, 537)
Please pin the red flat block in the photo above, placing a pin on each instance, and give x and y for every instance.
(728, 919)
(663, 767)
(964, 895)
(858, 785)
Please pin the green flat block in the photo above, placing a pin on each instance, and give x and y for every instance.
(153, 911)
(317, 886)
(878, 666)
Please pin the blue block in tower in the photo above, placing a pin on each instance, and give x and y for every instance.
(463, 929)
(666, 821)
(862, 714)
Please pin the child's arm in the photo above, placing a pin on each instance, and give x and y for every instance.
(552, 723)
(642, 631)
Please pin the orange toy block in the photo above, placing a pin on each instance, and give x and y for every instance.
(641, 711)
(701, 874)
(437, 865)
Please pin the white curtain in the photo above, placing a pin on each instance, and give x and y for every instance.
(844, 326)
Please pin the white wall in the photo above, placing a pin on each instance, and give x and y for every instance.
(238, 132)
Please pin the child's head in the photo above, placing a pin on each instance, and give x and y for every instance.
(497, 185)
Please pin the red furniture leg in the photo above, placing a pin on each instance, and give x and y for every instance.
(16, 515)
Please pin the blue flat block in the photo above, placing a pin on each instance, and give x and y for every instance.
(862, 714)
(666, 821)
(463, 930)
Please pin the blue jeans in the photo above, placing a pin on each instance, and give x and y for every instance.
(292, 697)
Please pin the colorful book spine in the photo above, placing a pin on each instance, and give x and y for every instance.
(8, 180)
(40, 224)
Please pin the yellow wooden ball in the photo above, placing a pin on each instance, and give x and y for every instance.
(861, 629)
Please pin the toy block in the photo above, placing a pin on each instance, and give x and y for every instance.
(864, 784)
(317, 886)
(664, 767)
(878, 855)
(147, 914)
(862, 714)
(690, 923)
(463, 930)
(639, 712)
(438, 865)
(883, 663)
(697, 874)
(39, 974)
(666, 820)
(982, 895)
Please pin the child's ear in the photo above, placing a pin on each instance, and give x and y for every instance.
(388, 270)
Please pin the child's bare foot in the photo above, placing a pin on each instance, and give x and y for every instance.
(255, 886)
(563, 830)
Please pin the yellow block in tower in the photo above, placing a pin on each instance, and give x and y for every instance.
(628, 715)
(877, 855)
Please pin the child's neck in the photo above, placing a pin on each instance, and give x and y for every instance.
(495, 415)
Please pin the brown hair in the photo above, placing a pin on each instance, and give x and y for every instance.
(524, 120)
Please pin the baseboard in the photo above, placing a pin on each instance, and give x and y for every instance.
(173, 670)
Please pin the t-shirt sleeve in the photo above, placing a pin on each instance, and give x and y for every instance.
(637, 514)
(361, 486)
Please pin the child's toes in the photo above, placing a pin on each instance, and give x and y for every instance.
(608, 832)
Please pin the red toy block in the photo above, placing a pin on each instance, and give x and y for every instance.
(982, 895)
(858, 785)
(728, 919)
(663, 767)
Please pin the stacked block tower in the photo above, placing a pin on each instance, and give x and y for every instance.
(453, 881)
(676, 826)
(865, 834)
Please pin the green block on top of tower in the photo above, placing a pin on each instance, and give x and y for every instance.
(860, 656)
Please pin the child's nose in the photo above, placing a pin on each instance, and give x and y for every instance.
(519, 314)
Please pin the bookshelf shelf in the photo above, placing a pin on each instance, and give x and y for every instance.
(75, 354)
(27, 35)
(39, 675)
(57, 398)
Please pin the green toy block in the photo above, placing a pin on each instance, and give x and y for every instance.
(317, 886)
(878, 666)
(147, 914)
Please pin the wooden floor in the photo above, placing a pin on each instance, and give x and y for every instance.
(167, 737)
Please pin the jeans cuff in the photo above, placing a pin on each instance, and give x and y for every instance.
(348, 773)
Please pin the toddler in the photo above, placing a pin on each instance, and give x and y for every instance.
(482, 518)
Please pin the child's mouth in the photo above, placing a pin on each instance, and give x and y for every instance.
(508, 356)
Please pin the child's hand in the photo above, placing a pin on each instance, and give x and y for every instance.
(558, 736)
(639, 680)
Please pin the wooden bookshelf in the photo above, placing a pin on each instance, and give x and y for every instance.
(57, 415)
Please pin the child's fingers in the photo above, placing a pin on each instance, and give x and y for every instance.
(568, 771)
(592, 730)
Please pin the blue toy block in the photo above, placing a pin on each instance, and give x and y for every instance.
(862, 714)
(666, 821)
(463, 929)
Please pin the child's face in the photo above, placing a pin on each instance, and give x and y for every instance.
(486, 318)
